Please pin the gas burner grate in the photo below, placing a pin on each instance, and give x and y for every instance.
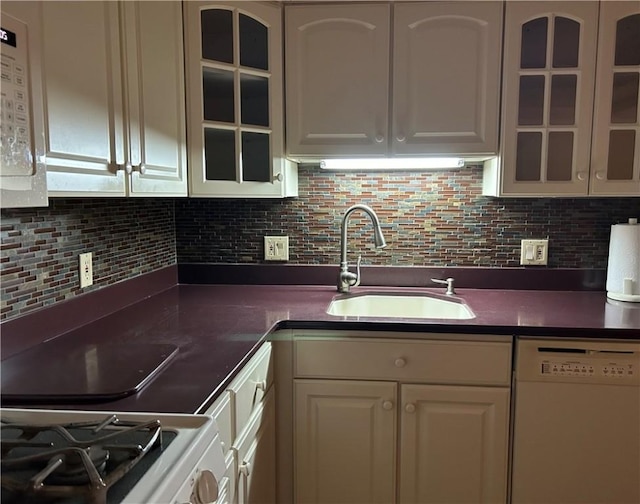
(81, 459)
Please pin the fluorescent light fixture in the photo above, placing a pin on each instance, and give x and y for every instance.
(425, 163)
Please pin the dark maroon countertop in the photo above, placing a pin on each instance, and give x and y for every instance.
(218, 327)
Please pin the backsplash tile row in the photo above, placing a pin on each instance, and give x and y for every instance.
(40, 247)
(429, 219)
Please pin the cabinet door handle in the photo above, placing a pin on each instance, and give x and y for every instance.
(141, 168)
(401, 138)
(581, 176)
(261, 385)
(379, 138)
(244, 470)
(400, 362)
(128, 167)
(387, 405)
(278, 177)
(410, 408)
(600, 175)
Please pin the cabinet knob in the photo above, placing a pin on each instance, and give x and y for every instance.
(601, 175)
(379, 139)
(410, 408)
(245, 469)
(400, 362)
(387, 405)
(581, 175)
(261, 385)
(205, 490)
(128, 167)
(278, 177)
(401, 138)
(142, 168)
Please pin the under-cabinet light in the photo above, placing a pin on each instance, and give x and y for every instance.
(425, 163)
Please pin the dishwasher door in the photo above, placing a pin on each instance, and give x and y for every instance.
(576, 430)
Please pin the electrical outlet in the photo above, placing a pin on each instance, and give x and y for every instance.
(534, 252)
(85, 269)
(276, 248)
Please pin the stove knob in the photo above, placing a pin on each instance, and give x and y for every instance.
(205, 491)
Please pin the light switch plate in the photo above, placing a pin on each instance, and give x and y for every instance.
(276, 248)
(534, 252)
(85, 269)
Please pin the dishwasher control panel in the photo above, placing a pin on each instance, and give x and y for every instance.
(571, 361)
(588, 368)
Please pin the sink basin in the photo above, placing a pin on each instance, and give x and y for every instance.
(399, 305)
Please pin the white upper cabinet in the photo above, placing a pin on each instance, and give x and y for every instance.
(615, 158)
(337, 80)
(446, 74)
(235, 101)
(114, 110)
(431, 88)
(562, 62)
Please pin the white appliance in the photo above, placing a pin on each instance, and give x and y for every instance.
(623, 270)
(189, 467)
(577, 422)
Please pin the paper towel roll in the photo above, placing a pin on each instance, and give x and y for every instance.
(623, 271)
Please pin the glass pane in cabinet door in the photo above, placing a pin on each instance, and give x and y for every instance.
(624, 101)
(566, 43)
(531, 100)
(254, 100)
(217, 95)
(220, 154)
(628, 41)
(533, 52)
(621, 151)
(562, 110)
(254, 43)
(217, 35)
(256, 158)
(528, 156)
(560, 156)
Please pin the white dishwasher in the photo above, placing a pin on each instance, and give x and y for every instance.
(576, 430)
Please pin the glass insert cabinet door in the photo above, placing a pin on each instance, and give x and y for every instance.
(235, 98)
(615, 164)
(548, 103)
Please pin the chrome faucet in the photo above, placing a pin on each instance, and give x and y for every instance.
(347, 279)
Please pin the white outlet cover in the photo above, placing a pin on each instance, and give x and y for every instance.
(276, 248)
(85, 269)
(534, 252)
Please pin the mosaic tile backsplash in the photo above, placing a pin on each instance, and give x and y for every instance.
(40, 247)
(429, 219)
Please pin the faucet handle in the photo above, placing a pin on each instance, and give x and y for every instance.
(357, 271)
(448, 282)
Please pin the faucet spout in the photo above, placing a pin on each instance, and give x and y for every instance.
(347, 279)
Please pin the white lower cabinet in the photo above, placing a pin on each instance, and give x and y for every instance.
(399, 420)
(345, 441)
(245, 414)
(453, 444)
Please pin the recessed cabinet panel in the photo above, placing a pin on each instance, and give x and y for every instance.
(560, 157)
(254, 43)
(531, 106)
(615, 162)
(566, 42)
(624, 100)
(255, 154)
(217, 35)
(562, 110)
(627, 51)
(533, 50)
(220, 154)
(218, 95)
(529, 156)
(254, 100)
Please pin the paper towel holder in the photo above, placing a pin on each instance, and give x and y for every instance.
(623, 270)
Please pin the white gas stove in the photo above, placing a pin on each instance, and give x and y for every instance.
(109, 457)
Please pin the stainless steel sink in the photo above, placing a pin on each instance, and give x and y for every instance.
(399, 305)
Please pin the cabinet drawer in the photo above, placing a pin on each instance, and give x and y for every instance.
(221, 412)
(250, 386)
(432, 361)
